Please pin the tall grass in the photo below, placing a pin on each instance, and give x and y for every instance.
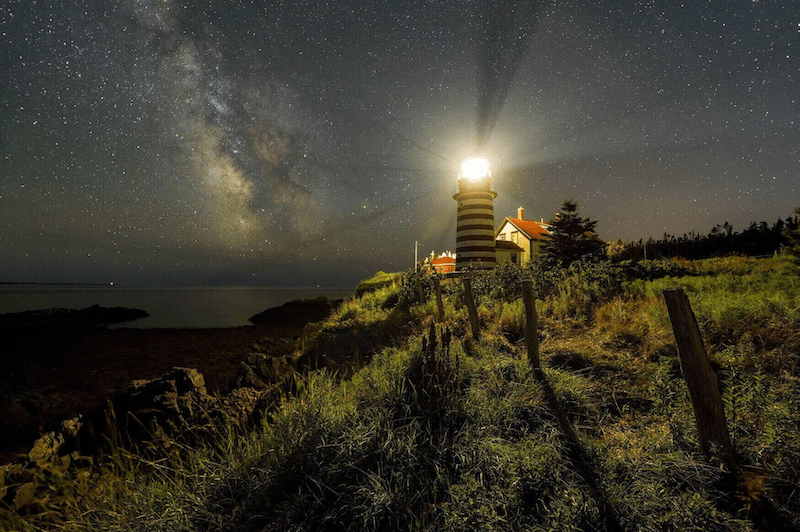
(736, 290)
(440, 432)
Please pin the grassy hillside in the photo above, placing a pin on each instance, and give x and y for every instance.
(379, 280)
(432, 430)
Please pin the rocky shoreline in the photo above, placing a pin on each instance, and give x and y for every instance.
(149, 419)
(63, 364)
(70, 409)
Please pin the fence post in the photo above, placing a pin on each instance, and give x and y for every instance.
(439, 304)
(531, 328)
(700, 377)
(420, 291)
(473, 312)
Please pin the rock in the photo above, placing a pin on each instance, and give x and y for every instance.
(46, 447)
(195, 378)
(299, 311)
(163, 408)
(248, 377)
(97, 315)
(9, 479)
(25, 495)
(66, 319)
(71, 427)
(248, 405)
(169, 407)
(262, 371)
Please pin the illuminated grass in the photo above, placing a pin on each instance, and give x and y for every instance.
(468, 439)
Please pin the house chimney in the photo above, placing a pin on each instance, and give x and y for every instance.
(520, 213)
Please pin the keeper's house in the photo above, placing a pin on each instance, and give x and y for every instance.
(518, 240)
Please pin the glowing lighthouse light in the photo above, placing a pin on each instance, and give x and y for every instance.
(475, 169)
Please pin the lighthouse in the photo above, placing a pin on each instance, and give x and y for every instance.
(475, 215)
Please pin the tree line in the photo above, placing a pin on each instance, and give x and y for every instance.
(758, 239)
(573, 237)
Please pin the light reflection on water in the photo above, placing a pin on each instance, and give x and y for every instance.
(174, 307)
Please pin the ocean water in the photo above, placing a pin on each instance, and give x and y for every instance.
(171, 307)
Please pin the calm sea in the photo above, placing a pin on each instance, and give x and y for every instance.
(174, 307)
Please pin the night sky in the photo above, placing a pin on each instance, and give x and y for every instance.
(150, 142)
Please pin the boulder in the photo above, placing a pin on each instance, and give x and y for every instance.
(299, 311)
(251, 404)
(164, 409)
(43, 321)
(262, 371)
(46, 447)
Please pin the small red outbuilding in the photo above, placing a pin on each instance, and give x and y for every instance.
(444, 264)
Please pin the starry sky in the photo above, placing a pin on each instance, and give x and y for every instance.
(153, 142)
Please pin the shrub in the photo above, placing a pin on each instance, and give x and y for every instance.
(503, 283)
(413, 281)
(655, 269)
(567, 292)
(575, 291)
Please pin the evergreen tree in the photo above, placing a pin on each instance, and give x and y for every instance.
(571, 237)
(792, 247)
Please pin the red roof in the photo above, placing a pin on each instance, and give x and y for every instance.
(533, 229)
(443, 260)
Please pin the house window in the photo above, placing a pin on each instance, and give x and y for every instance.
(515, 236)
(513, 258)
(501, 236)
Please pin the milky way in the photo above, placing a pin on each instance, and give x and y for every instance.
(303, 143)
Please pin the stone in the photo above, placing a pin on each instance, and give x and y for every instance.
(71, 427)
(46, 447)
(196, 379)
(24, 495)
(298, 311)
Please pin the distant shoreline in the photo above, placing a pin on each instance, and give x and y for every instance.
(181, 286)
(56, 284)
(169, 307)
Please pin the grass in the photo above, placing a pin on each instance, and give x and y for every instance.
(736, 290)
(435, 431)
(379, 280)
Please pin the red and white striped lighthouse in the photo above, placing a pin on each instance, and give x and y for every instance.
(475, 219)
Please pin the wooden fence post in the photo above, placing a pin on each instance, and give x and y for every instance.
(531, 328)
(420, 291)
(473, 312)
(439, 304)
(700, 377)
